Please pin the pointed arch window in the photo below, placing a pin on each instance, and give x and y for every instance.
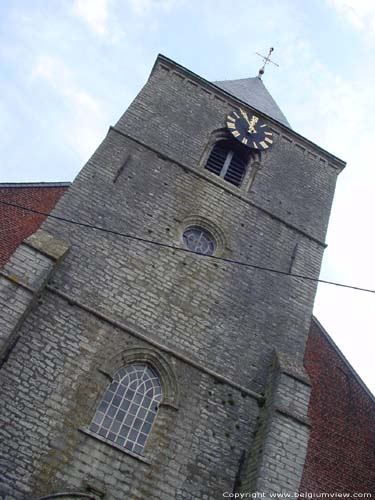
(228, 161)
(129, 407)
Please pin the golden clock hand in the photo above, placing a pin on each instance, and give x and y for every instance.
(244, 114)
(252, 123)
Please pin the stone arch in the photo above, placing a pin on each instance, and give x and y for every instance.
(211, 226)
(69, 495)
(156, 360)
(220, 134)
(254, 157)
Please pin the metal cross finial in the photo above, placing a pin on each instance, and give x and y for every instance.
(266, 60)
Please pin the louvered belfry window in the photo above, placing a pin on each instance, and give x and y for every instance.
(227, 163)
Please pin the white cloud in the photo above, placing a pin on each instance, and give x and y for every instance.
(85, 130)
(85, 126)
(50, 69)
(83, 100)
(360, 13)
(97, 16)
(94, 13)
(144, 6)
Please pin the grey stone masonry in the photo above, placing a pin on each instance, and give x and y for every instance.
(207, 327)
(22, 281)
(275, 462)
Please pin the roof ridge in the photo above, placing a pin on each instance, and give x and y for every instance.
(253, 91)
(34, 184)
(237, 79)
(343, 358)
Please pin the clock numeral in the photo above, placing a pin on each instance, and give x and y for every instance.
(264, 125)
(255, 145)
(235, 114)
(267, 133)
(231, 125)
(263, 144)
(244, 140)
(267, 139)
(235, 133)
(230, 118)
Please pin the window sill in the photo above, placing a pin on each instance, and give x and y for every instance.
(141, 458)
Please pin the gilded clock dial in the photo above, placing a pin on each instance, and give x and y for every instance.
(249, 129)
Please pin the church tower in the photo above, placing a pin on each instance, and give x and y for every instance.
(149, 350)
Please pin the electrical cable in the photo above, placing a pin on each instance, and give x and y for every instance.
(186, 250)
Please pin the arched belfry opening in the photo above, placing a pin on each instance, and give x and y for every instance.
(226, 161)
(227, 158)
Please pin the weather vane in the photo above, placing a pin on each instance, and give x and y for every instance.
(266, 60)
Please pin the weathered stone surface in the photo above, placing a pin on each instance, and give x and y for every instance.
(210, 317)
(46, 243)
(22, 280)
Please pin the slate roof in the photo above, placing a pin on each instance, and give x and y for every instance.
(253, 92)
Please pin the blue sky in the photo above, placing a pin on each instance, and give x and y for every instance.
(71, 67)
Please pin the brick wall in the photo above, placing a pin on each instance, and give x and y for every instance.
(16, 224)
(341, 451)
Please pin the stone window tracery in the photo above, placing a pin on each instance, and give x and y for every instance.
(128, 408)
(199, 240)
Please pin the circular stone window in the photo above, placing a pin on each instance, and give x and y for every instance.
(199, 240)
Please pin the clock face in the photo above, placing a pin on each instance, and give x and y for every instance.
(250, 130)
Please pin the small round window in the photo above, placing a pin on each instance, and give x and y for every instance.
(199, 240)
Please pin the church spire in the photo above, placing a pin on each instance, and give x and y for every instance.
(253, 92)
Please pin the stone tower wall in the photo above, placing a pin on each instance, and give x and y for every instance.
(214, 324)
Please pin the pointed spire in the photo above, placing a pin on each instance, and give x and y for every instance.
(253, 92)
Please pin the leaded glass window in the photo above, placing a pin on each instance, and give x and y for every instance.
(128, 408)
(199, 240)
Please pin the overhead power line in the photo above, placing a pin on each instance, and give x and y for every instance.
(186, 250)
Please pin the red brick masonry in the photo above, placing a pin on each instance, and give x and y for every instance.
(16, 224)
(341, 452)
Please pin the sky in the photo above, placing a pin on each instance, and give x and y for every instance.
(70, 68)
